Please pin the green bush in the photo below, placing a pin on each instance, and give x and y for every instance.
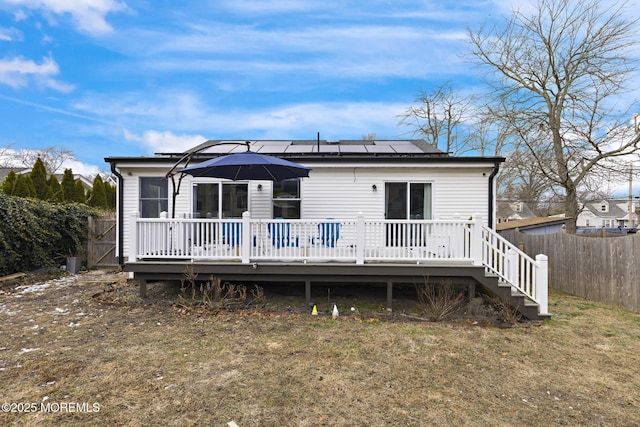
(36, 234)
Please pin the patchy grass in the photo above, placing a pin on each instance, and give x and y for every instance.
(165, 364)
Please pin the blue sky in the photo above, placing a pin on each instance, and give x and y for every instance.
(134, 77)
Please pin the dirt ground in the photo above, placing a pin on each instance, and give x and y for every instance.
(85, 350)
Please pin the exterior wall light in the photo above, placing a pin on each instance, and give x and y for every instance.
(259, 187)
(374, 187)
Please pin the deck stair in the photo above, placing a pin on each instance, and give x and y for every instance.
(529, 309)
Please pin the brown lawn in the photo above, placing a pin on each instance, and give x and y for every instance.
(71, 358)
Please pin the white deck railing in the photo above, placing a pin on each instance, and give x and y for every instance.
(513, 266)
(356, 240)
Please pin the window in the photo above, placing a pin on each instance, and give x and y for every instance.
(407, 200)
(286, 199)
(153, 197)
(220, 200)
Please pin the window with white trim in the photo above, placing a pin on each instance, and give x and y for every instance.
(154, 196)
(286, 199)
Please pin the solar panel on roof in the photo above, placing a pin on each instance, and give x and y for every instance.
(274, 149)
(406, 148)
(272, 143)
(379, 149)
(299, 149)
(327, 149)
(352, 148)
(220, 149)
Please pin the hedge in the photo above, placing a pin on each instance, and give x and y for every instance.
(36, 234)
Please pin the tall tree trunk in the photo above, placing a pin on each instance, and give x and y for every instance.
(571, 209)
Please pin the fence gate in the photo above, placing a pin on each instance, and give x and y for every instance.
(101, 246)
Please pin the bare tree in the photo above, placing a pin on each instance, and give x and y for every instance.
(562, 69)
(5, 156)
(52, 157)
(440, 117)
(521, 179)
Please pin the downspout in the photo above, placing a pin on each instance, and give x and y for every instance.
(496, 169)
(120, 215)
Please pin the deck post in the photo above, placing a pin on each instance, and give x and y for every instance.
(307, 291)
(360, 239)
(245, 247)
(133, 236)
(476, 239)
(542, 283)
(389, 295)
(143, 288)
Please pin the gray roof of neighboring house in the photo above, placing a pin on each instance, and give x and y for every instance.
(615, 211)
(507, 209)
(5, 171)
(529, 223)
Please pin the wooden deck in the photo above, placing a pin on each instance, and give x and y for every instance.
(359, 250)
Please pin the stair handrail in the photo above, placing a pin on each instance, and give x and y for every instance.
(515, 267)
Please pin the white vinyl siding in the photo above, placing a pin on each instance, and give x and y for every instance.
(338, 191)
(346, 192)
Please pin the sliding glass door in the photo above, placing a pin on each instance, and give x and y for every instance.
(220, 200)
(407, 200)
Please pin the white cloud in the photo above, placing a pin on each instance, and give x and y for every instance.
(190, 116)
(10, 34)
(80, 168)
(19, 15)
(332, 120)
(89, 16)
(369, 51)
(164, 142)
(18, 72)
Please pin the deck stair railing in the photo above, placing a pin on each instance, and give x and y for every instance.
(514, 267)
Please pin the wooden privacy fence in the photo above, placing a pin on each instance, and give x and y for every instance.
(603, 269)
(101, 246)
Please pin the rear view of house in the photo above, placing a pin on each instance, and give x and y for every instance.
(369, 211)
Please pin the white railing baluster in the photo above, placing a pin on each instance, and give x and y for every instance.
(516, 268)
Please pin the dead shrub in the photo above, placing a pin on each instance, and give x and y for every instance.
(437, 301)
(215, 296)
(506, 312)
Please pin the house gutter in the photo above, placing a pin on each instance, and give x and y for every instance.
(120, 214)
(496, 169)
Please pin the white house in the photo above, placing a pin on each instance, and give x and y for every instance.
(605, 213)
(398, 209)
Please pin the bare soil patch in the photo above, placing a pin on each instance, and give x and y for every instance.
(89, 340)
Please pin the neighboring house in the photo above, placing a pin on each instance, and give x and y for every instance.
(605, 214)
(86, 182)
(395, 212)
(509, 211)
(18, 170)
(536, 225)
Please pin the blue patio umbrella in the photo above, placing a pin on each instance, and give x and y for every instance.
(248, 165)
